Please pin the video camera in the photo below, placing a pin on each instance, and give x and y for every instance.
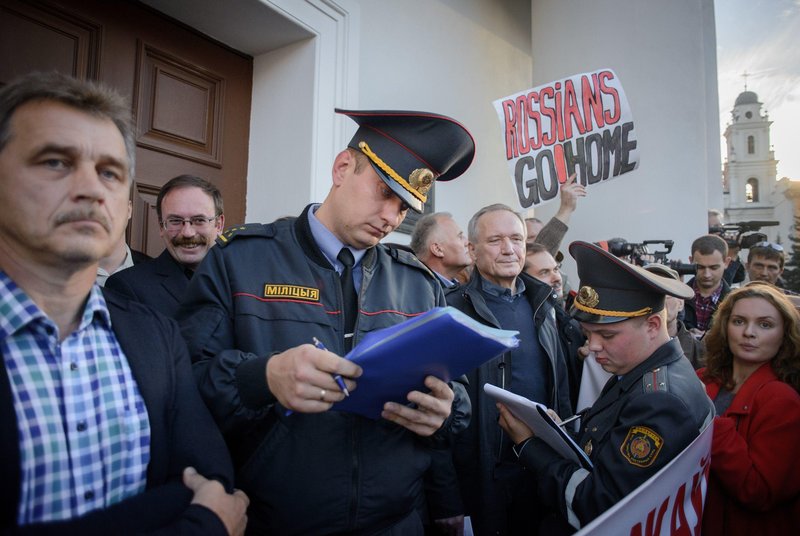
(734, 233)
(640, 254)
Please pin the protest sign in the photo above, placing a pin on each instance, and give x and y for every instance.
(668, 503)
(582, 124)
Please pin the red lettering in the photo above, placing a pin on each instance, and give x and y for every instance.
(548, 136)
(610, 117)
(533, 115)
(511, 129)
(572, 111)
(680, 526)
(559, 113)
(592, 102)
(522, 128)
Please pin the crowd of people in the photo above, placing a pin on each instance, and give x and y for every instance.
(192, 393)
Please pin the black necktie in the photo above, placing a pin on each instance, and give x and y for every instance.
(349, 295)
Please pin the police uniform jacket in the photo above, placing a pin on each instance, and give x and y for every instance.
(265, 289)
(479, 448)
(636, 427)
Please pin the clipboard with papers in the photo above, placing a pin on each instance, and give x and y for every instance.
(443, 342)
(535, 416)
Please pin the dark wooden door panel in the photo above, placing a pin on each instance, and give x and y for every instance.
(190, 95)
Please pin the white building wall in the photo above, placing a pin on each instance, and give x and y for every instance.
(664, 54)
(455, 57)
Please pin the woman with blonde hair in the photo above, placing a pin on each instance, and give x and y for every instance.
(753, 376)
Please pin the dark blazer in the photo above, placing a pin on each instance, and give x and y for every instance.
(182, 434)
(159, 283)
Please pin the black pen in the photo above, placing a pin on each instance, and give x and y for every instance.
(337, 377)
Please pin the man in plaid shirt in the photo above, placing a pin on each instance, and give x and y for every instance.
(101, 425)
(710, 256)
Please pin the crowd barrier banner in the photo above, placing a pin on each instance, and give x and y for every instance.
(670, 502)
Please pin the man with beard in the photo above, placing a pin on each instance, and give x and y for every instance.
(190, 218)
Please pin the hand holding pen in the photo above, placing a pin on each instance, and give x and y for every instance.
(337, 377)
(301, 378)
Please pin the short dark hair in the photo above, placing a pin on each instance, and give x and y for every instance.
(708, 244)
(767, 252)
(423, 229)
(535, 248)
(190, 181)
(86, 96)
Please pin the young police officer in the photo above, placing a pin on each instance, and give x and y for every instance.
(649, 411)
(257, 300)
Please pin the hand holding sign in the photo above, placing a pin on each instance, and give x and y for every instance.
(582, 124)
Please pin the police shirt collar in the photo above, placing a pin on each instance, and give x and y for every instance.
(329, 245)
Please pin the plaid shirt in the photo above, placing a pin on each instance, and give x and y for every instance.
(705, 306)
(84, 432)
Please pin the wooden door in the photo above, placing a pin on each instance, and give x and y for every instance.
(189, 94)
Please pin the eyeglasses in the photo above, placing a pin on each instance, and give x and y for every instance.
(198, 222)
(768, 245)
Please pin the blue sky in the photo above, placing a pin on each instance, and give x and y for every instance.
(762, 37)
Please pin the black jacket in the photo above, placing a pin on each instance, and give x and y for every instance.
(478, 450)
(267, 288)
(182, 433)
(689, 311)
(158, 283)
(637, 426)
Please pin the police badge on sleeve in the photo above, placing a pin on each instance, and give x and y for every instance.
(641, 446)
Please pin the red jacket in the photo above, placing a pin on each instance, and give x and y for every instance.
(754, 487)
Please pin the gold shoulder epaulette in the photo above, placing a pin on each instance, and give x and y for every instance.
(239, 231)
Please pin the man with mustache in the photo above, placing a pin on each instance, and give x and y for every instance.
(190, 216)
(99, 418)
(265, 291)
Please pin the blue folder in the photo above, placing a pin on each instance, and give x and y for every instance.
(443, 342)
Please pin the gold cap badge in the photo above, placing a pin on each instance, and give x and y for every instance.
(588, 297)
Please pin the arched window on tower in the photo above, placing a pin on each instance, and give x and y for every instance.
(751, 145)
(751, 191)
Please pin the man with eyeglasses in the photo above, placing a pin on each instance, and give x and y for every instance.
(190, 215)
(765, 262)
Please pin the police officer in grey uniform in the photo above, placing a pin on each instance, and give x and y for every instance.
(649, 411)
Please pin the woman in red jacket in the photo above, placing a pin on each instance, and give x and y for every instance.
(753, 377)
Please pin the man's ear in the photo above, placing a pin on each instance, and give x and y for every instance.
(655, 321)
(436, 250)
(342, 164)
(471, 250)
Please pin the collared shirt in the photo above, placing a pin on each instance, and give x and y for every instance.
(84, 432)
(705, 306)
(502, 292)
(446, 283)
(103, 275)
(331, 246)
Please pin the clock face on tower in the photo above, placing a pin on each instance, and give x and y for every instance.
(748, 115)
